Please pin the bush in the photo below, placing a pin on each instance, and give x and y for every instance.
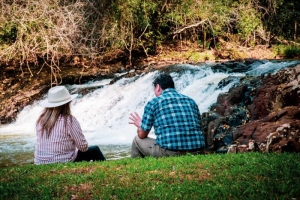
(291, 51)
(8, 33)
(287, 51)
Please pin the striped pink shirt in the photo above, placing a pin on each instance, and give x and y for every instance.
(63, 143)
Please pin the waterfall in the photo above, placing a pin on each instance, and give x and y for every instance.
(104, 112)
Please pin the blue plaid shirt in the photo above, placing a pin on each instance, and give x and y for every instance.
(176, 121)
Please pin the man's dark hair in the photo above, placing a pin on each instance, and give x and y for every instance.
(165, 81)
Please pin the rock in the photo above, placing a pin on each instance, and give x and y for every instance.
(257, 115)
(277, 134)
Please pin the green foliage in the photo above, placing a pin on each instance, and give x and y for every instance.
(291, 51)
(61, 29)
(248, 21)
(278, 49)
(226, 176)
(280, 17)
(8, 33)
(287, 51)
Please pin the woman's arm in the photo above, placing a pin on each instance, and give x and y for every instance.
(77, 135)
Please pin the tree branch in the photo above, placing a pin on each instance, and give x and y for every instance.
(189, 26)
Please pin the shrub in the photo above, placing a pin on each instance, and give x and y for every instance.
(287, 51)
(291, 51)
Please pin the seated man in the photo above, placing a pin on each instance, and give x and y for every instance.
(176, 121)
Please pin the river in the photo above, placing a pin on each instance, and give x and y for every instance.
(104, 112)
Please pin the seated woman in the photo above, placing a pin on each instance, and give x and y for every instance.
(59, 135)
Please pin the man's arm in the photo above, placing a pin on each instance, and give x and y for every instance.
(141, 133)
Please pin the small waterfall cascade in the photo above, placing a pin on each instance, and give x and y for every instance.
(104, 112)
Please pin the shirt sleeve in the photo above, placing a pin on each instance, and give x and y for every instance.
(148, 117)
(77, 135)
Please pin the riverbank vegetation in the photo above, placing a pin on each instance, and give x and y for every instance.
(211, 176)
(45, 43)
(48, 33)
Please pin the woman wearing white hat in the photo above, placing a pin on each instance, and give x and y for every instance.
(59, 135)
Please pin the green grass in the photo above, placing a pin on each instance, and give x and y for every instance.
(215, 176)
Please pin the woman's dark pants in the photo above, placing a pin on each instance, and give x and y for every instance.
(92, 154)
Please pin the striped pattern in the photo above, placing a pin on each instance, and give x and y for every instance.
(63, 143)
(176, 120)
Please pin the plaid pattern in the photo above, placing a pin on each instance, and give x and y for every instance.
(176, 121)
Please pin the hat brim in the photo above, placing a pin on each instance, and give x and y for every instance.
(45, 103)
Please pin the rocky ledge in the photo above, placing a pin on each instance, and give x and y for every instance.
(260, 114)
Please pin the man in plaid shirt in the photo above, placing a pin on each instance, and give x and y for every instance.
(176, 121)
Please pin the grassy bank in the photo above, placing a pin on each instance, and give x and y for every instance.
(226, 176)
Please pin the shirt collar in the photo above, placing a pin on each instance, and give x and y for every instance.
(168, 90)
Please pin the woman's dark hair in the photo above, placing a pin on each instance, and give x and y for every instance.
(164, 81)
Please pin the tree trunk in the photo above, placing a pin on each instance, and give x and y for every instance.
(295, 33)
(204, 39)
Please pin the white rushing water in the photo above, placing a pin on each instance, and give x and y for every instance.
(104, 113)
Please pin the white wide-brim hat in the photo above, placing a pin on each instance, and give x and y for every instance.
(57, 96)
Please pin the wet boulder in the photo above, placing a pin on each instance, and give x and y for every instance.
(277, 132)
(233, 66)
(259, 114)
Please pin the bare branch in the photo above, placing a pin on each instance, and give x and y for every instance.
(189, 26)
